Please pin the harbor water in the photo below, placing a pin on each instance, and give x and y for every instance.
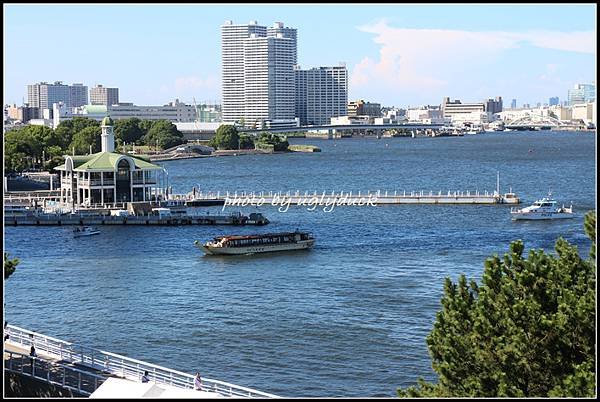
(347, 318)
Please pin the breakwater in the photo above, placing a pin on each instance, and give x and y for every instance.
(74, 219)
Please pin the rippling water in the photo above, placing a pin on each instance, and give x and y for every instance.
(348, 318)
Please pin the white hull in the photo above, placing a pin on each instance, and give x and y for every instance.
(541, 216)
(86, 234)
(300, 245)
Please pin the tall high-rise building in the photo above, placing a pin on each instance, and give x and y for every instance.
(553, 101)
(513, 104)
(42, 95)
(79, 95)
(258, 73)
(100, 95)
(582, 93)
(321, 93)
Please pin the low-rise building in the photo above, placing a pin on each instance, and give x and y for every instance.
(106, 178)
(23, 113)
(362, 108)
(174, 112)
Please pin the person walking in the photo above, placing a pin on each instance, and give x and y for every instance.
(198, 382)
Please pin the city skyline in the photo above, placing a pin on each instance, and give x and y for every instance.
(395, 54)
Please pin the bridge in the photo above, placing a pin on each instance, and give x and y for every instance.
(332, 130)
(537, 122)
(82, 370)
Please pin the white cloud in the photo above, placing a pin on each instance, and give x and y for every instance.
(417, 60)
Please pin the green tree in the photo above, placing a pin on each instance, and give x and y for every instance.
(128, 130)
(246, 142)
(67, 129)
(164, 133)
(83, 139)
(527, 331)
(9, 265)
(226, 137)
(279, 144)
(21, 149)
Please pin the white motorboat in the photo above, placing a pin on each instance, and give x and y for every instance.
(261, 243)
(542, 209)
(85, 231)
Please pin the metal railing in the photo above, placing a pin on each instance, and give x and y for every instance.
(71, 378)
(122, 366)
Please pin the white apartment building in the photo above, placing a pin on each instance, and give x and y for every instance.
(232, 67)
(100, 95)
(258, 74)
(174, 112)
(321, 93)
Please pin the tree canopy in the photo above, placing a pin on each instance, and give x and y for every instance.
(164, 133)
(82, 140)
(129, 130)
(9, 265)
(528, 330)
(226, 137)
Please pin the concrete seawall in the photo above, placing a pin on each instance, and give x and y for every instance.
(129, 220)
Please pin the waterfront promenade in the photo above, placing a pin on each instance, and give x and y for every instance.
(83, 370)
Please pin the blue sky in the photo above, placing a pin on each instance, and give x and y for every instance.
(395, 54)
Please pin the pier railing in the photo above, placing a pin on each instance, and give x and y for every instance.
(122, 366)
(67, 377)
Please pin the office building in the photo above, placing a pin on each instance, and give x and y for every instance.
(513, 104)
(362, 108)
(100, 95)
(43, 95)
(474, 113)
(553, 101)
(582, 93)
(23, 113)
(321, 93)
(79, 95)
(258, 74)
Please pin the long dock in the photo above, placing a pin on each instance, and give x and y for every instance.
(242, 199)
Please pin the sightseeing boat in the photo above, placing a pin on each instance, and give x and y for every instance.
(85, 231)
(542, 209)
(260, 243)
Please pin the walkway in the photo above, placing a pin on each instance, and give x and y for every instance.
(83, 369)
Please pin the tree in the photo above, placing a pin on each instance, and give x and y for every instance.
(246, 142)
(226, 137)
(164, 133)
(527, 331)
(21, 148)
(86, 137)
(9, 265)
(67, 129)
(275, 140)
(128, 130)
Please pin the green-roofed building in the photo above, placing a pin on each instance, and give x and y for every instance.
(107, 178)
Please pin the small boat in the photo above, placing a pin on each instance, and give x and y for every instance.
(260, 243)
(542, 209)
(85, 231)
